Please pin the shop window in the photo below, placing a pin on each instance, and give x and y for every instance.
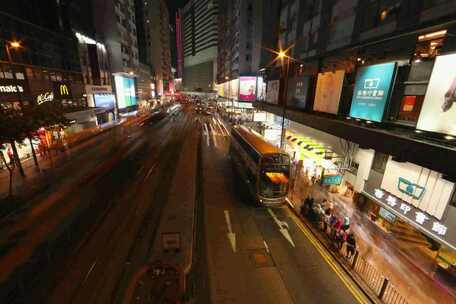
(380, 161)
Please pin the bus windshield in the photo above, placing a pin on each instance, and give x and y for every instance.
(274, 176)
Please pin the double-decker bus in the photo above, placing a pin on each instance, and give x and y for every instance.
(263, 167)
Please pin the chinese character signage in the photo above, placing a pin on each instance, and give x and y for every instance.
(331, 180)
(372, 91)
(438, 113)
(438, 229)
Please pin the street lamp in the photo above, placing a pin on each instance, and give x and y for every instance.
(282, 54)
(11, 45)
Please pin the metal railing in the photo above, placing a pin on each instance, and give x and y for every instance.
(379, 284)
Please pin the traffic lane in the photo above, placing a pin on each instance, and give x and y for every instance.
(245, 273)
(106, 243)
(152, 195)
(308, 276)
(84, 207)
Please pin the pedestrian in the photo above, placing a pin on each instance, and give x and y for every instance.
(10, 154)
(340, 239)
(346, 223)
(351, 245)
(327, 217)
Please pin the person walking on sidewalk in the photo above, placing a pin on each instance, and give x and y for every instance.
(351, 245)
(10, 154)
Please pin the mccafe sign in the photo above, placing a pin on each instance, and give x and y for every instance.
(44, 97)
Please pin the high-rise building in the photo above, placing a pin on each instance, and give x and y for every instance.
(179, 46)
(247, 28)
(115, 22)
(157, 33)
(200, 37)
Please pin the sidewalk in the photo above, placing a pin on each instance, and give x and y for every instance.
(36, 179)
(375, 247)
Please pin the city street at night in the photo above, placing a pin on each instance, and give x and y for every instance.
(228, 151)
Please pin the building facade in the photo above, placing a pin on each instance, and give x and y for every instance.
(200, 37)
(371, 85)
(157, 38)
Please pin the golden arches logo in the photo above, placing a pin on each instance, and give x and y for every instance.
(64, 90)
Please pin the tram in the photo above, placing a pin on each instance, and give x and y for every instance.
(263, 167)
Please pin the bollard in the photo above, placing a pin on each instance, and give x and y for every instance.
(383, 289)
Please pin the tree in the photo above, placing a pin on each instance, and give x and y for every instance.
(17, 125)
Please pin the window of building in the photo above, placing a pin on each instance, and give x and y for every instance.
(379, 162)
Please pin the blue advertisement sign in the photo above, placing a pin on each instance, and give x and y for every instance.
(106, 101)
(331, 180)
(372, 91)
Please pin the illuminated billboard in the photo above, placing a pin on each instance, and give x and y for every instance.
(438, 113)
(106, 101)
(125, 89)
(272, 93)
(372, 91)
(261, 89)
(234, 89)
(329, 88)
(247, 88)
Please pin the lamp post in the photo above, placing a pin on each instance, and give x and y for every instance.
(282, 55)
(14, 45)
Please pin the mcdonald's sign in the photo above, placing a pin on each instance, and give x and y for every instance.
(62, 90)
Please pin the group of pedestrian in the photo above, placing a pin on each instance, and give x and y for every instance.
(336, 228)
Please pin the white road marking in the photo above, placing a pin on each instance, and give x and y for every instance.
(231, 236)
(283, 227)
(266, 246)
(206, 132)
(214, 134)
(90, 270)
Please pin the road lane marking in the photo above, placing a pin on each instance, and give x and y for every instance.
(214, 134)
(150, 171)
(90, 271)
(206, 132)
(266, 246)
(231, 236)
(359, 295)
(283, 227)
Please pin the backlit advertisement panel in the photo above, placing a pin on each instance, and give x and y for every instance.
(272, 93)
(247, 88)
(234, 89)
(261, 88)
(329, 88)
(125, 89)
(438, 113)
(372, 91)
(106, 101)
